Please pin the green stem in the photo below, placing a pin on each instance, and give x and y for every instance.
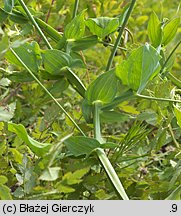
(75, 81)
(35, 23)
(76, 4)
(46, 90)
(165, 63)
(110, 61)
(103, 157)
(112, 45)
(173, 137)
(174, 80)
(158, 99)
(97, 128)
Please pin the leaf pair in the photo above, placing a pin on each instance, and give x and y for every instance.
(102, 26)
(160, 33)
(99, 27)
(140, 67)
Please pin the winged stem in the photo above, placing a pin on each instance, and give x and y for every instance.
(103, 157)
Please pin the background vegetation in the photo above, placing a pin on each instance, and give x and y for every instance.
(148, 160)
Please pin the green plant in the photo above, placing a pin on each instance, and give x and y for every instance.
(137, 79)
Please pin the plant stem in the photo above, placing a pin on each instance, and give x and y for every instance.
(35, 23)
(165, 63)
(110, 61)
(46, 90)
(173, 137)
(97, 128)
(49, 11)
(158, 99)
(103, 157)
(76, 4)
(112, 45)
(75, 81)
(174, 80)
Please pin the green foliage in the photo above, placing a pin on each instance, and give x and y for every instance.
(102, 26)
(8, 5)
(50, 174)
(141, 66)
(75, 29)
(82, 131)
(38, 148)
(83, 43)
(175, 195)
(170, 30)
(55, 60)
(81, 145)
(177, 112)
(103, 89)
(7, 112)
(30, 55)
(155, 30)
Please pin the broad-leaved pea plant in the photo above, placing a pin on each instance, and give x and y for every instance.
(69, 132)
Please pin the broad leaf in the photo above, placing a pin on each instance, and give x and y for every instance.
(76, 28)
(40, 149)
(5, 193)
(55, 60)
(78, 146)
(3, 15)
(128, 95)
(104, 88)
(170, 31)
(177, 112)
(7, 112)
(3, 179)
(29, 54)
(83, 43)
(71, 179)
(140, 67)
(113, 116)
(22, 76)
(50, 174)
(18, 17)
(154, 30)
(8, 5)
(75, 177)
(102, 26)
